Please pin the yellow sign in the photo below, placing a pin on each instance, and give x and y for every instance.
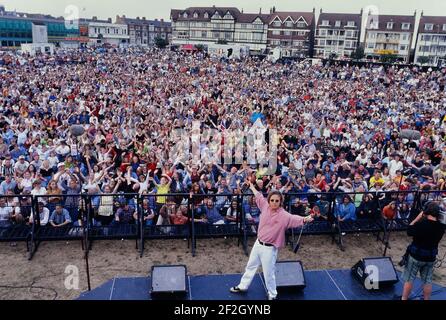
(386, 51)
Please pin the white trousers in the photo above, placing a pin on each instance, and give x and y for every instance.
(266, 257)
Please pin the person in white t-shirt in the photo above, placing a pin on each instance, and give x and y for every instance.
(394, 165)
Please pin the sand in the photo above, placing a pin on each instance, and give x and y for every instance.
(44, 276)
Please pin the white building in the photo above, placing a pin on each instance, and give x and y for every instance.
(108, 33)
(389, 35)
(431, 41)
(337, 34)
(209, 25)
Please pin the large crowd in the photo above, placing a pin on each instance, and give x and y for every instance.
(340, 129)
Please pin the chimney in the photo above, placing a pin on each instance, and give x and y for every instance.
(94, 18)
(314, 10)
(260, 10)
(361, 12)
(162, 20)
(137, 18)
(109, 20)
(320, 11)
(156, 20)
(118, 17)
(123, 16)
(422, 13)
(415, 13)
(274, 9)
(144, 18)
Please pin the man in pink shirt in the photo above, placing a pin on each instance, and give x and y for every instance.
(274, 221)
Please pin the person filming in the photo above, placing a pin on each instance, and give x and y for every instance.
(274, 221)
(422, 252)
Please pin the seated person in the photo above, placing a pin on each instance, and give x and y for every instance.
(300, 207)
(210, 214)
(389, 211)
(316, 214)
(124, 215)
(60, 217)
(252, 212)
(147, 213)
(179, 218)
(44, 214)
(232, 214)
(346, 210)
(367, 208)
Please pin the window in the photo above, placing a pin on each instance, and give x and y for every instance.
(206, 15)
(322, 42)
(277, 23)
(258, 26)
(289, 24)
(301, 33)
(243, 36)
(257, 36)
(371, 46)
(322, 32)
(389, 25)
(228, 35)
(195, 15)
(428, 27)
(204, 34)
(216, 35)
(405, 37)
(405, 26)
(349, 34)
(301, 24)
(403, 48)
(338, 23)
(244, 26)
(276, 32)
(287, 33)
(193, 24)
(185, 15)
(325, 22)
(350, 24)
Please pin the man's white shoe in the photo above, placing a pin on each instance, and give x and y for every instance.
(236, 290)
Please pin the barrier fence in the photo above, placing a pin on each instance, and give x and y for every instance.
(92, 217)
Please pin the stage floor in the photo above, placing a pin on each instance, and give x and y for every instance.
(320, 285)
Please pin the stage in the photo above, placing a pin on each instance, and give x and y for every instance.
(320, 285)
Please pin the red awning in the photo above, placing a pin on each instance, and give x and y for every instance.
(188, 47)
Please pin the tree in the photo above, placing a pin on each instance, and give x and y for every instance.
(358, 54)
(389, 58)
(161, 43)
(199, 47)
(423, 60)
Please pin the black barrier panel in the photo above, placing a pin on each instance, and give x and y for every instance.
(191, 217)
(14, 218)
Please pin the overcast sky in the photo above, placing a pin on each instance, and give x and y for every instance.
(154, 9)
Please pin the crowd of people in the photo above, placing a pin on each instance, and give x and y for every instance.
(339, 130)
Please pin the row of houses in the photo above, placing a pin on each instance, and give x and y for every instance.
(16, 28)
(298, 34)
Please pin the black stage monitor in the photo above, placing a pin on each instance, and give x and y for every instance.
(169, 281)
(375, 273)
(290, 275)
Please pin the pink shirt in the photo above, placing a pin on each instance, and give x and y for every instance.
(273, 224)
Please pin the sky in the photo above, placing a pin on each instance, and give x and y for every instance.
(153, 9)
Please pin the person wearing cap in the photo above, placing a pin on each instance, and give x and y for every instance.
(427, 233)
(21, 166)
(274, 221)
